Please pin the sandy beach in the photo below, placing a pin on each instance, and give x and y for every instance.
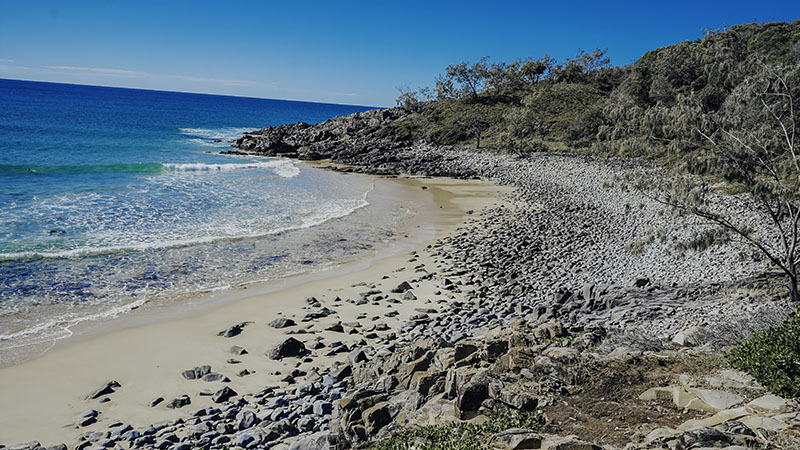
(147, 351)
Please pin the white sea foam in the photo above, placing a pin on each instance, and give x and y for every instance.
(282, 167)
(224, 134)
(316, 217)
(64, 323)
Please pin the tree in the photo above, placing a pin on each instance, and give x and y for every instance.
(413, 101)
(755, 149)
(408, 99)
(533, 71)
(445, 89)
(474, 118)
(514, 76)
(577, 69)
(469, 77)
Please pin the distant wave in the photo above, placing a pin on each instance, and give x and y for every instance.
(282, 168)
(215, 136)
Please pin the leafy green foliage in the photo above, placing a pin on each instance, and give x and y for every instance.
(773, 358)
(460, 435)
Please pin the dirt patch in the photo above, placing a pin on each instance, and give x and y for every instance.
(605, 406)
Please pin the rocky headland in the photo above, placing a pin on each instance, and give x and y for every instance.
(567, 305)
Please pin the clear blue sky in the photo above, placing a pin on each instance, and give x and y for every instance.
(353, 52)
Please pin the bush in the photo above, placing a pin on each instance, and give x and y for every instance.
(459, 435)
(773, 357)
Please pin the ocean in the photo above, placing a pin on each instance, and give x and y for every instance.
(113, 198)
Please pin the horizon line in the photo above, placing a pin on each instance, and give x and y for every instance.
(190, 93)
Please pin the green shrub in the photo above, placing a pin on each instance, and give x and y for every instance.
(459, 435)
(773, 357)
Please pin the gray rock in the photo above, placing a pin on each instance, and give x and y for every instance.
(316, 441)
(236, 350)
(377, 417)
(214, 376)
(288, 348)
(234, 330)
(179, 402)
(282, 322)
(322, 408)
(86, 421)
(341, 373)
(246, 419)
(223, 395)
(356, 356)
(401, 288)
(108, 388)
(515, 439)
(318, 314)
(196, 373)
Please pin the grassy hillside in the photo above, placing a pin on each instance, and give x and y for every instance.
(654, 107)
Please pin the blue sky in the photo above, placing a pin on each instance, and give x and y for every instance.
(350, 52)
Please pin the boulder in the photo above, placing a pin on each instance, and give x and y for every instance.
(108, 388)
(516, 439)
(377, 417)
(288, 348)
(401, 288)
(282, 322)
(567, 443)
(223, 395)
(316, 441)
(771, 404)
(214, 376)
(472, 394)
(236, 350)
(233, 331)
(356, 356)
(196, 373)
(179, 402)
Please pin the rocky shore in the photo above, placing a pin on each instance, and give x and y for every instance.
(553, 303)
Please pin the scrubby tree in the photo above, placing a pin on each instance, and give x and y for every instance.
(533, 71)
(475, 119)
(408, 99)
(516, 75)
(444, 87)
(755, 149)
(577, 69)
(469, 77)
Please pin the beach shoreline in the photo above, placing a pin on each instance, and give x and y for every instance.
(146, 351)
(386, 195)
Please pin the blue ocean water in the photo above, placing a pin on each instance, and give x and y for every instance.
(110, 197)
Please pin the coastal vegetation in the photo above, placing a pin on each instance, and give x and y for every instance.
(656, 107)
(773, 358)
(460, 435)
